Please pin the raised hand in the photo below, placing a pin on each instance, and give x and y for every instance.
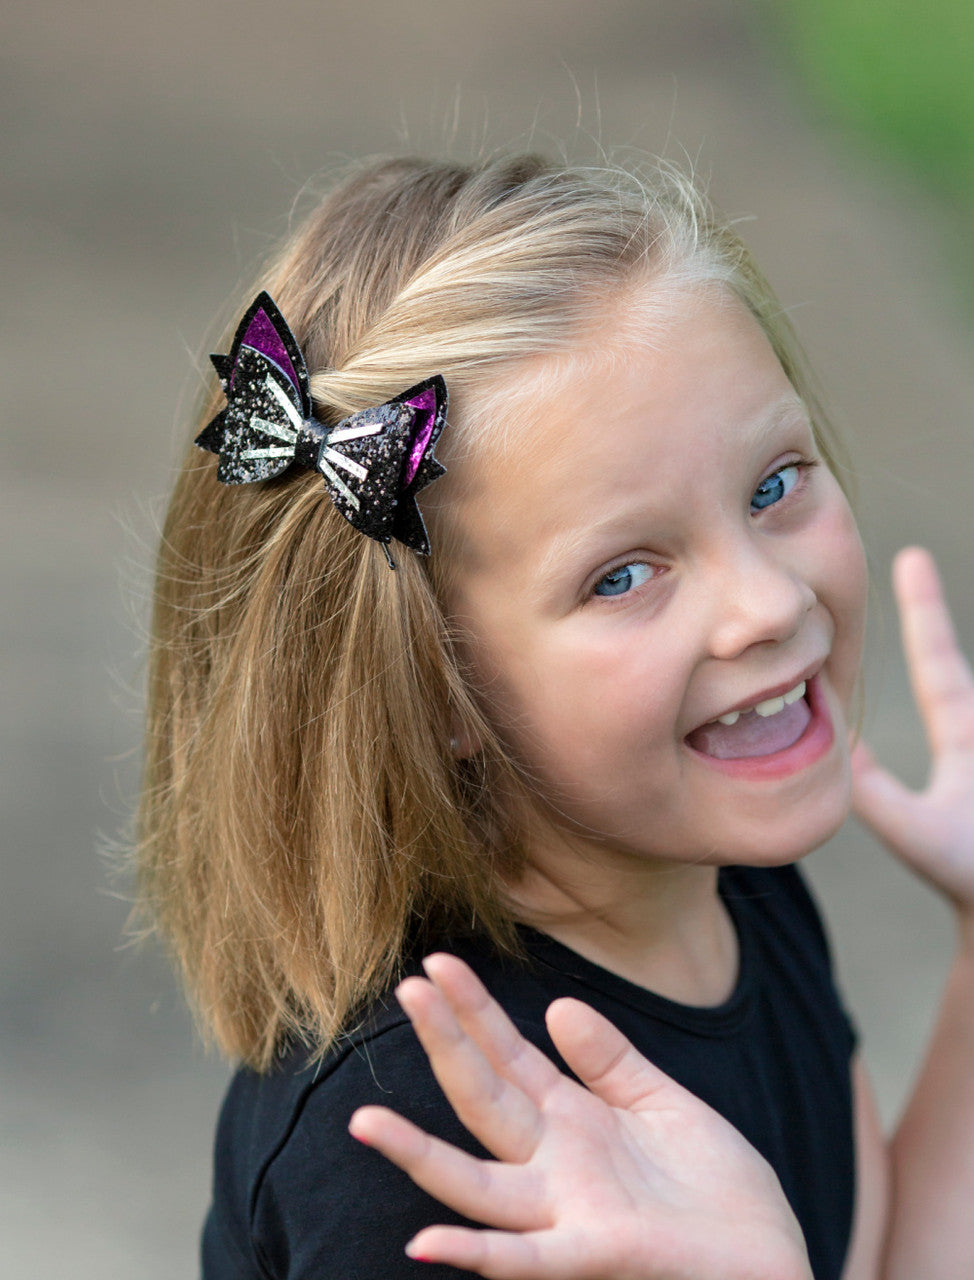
(631, 1178)
(932, 830)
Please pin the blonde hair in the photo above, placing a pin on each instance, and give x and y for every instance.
(303, 822)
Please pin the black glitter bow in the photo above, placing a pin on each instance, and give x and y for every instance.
(373, 463)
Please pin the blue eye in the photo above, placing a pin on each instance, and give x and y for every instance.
(775, 487)
(617, 582)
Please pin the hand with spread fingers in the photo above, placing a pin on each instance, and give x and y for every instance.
(629, 1177)
(931, 831)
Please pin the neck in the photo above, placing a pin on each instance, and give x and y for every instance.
(657, 923)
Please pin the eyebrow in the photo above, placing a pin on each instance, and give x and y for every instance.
(565, 547)
(788, 407)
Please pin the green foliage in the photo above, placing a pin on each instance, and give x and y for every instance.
(900, 73)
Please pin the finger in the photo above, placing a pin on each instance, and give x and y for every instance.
(482, 1018)
(480, 1189)
(493, 1254)
(939, 674)
(604, 1060)
(496, 1112)
(882, 802)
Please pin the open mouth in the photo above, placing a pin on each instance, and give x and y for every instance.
(763, 730)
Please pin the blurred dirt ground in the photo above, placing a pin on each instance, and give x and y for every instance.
(150, 155)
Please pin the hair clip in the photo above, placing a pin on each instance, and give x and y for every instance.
(373, 463)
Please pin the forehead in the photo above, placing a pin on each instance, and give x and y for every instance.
(574, 444)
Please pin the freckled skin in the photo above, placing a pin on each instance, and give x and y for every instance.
(654, 459)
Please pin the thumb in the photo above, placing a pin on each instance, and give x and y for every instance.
(881, 801)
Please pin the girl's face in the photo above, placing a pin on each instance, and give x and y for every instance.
(663, 549)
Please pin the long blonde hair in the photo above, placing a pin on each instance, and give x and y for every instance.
(303, 820)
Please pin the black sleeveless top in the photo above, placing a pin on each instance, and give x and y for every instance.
(295, 1196)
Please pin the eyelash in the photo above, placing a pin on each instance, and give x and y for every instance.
(802, 465)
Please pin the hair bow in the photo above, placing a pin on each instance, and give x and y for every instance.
(373, 463)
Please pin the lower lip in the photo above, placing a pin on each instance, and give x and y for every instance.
(814, 743)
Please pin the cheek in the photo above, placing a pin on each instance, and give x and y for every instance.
(589, 706)
(846, 546)
(842, 586)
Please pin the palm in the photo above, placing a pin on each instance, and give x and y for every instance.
(932, 830)
(629, 1177)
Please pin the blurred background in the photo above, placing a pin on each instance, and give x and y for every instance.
(151, 155)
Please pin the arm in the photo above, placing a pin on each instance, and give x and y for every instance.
(864, 1259)
(629, 1178)
(931, 1226)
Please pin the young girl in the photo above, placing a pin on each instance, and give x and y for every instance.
(579, 744)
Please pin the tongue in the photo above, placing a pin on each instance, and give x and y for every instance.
(752, 735)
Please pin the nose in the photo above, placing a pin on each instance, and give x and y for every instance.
(758, 599)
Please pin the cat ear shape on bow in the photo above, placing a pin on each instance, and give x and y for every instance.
(266, 384)
(373, 463)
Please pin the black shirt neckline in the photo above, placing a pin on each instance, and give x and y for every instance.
(706, 1020)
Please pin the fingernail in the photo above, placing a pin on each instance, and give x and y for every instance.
(416, 1257)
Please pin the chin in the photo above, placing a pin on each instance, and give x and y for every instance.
(808, 827)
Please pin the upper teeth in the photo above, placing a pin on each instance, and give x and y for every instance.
(769, 707)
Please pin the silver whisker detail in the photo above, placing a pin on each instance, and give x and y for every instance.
(331, 474)
(275, 451)
(354, 433)
(275, 429)
(339, 459)
(280, 395)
